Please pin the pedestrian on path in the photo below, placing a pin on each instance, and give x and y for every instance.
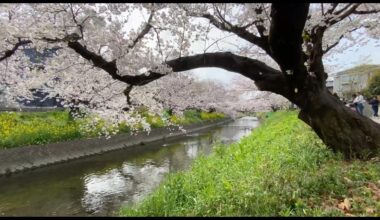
(374, 102)
(359, 103)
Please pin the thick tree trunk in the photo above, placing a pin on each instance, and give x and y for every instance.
(340, 128)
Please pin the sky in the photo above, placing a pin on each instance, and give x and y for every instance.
(357, 55)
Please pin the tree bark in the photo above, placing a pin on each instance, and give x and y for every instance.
(340, 128)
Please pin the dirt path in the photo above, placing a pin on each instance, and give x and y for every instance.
(376, 119)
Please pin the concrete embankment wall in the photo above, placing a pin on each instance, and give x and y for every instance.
(30, 157)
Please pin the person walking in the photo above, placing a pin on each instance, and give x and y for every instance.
(359, 103)
(374, 102)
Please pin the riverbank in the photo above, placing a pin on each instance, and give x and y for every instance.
(24, 158)
(281, 169)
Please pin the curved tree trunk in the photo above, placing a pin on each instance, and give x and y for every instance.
(340, 128)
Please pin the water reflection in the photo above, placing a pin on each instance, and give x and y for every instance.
(128, 184)
(191, 148)
(100, 185)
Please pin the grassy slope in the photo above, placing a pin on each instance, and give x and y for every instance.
(30, 128)
(281, 169)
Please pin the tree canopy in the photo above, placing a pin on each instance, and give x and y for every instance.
(374, 84)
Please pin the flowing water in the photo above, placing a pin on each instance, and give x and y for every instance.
(99, 185)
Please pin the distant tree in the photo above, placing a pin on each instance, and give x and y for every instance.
(373, 88)
(179, 92)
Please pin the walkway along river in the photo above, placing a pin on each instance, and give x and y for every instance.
(99, 185)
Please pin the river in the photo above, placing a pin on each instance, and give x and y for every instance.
(99, 185)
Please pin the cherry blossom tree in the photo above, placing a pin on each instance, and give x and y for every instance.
(281, 47)
(250, 99)
(178, 92)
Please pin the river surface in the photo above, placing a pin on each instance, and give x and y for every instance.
(99, 185)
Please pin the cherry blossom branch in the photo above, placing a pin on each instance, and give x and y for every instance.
(267, 77)
(75, 20)
(341, 36)
(366, 12)
(332, 45)
(144, 31)
(330, 10)
(216, 41)
(341, 14)
(127, 92)
(221, 17)
(342, 9)
(10, 52)
(158, 41)
(97, 91)
(239, 31)
(250, 24)
(331, 17)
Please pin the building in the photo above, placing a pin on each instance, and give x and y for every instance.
(353, 80)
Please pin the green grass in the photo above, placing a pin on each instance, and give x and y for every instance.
(33, 128)
(281, 169)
